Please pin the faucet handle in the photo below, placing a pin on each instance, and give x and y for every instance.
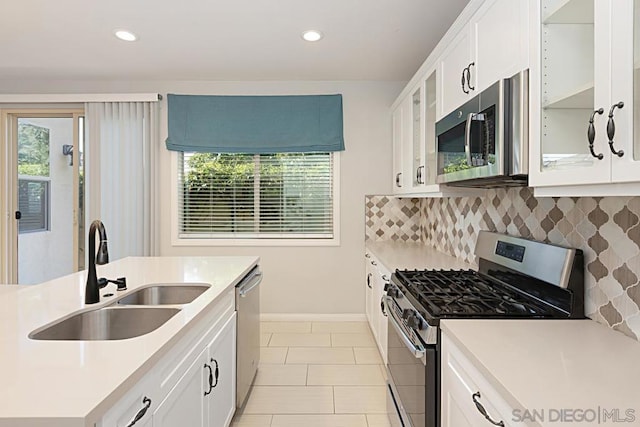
(120, 282)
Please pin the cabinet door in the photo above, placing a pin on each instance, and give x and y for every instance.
(381, 278)
(625, 88)
(416, 141)
(185, 404)
(570, 79)
(221, 400)
(464, 391)
(501, 40)
(452, 91)
(368, 289)
(397, 149)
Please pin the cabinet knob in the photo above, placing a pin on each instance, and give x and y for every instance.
(611, 129)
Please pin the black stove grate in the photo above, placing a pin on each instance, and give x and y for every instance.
(467, 293)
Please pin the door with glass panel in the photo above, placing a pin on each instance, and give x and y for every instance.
(588, 89)
(47, 177)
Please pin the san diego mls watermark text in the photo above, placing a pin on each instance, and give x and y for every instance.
(596, 416)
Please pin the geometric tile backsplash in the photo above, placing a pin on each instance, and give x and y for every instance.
(606, 229)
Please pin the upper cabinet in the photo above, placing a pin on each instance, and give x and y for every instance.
(493, 45)
(414, 126)
(584, 89)
(488, 42)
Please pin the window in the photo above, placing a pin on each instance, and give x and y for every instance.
(33, 203)
(263, 196)
(33, 177)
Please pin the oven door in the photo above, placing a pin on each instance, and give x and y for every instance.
(411, 372)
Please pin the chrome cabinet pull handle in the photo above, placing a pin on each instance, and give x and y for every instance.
(147, 404)
(374, 263)
(367, 256)
(398, 179)
(475, 396)
(369, 281)
(591, 134)
(611, 129)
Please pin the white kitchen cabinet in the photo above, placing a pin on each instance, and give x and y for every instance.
(454, 72)
(377, 276)
(193, 385)
(465, 393)
(368, 290)
(139, 402)
(402, 152)
(185, 404)
(588, 75)
(205, 395)
(493, 45)
(221, 400)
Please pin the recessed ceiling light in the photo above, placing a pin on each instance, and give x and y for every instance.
(125, 35)
(312, 35)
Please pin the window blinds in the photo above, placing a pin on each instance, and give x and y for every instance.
(285, 195)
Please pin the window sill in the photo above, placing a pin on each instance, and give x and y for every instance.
(257, 242)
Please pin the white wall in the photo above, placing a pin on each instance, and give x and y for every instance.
(44, 255)
(324, 280)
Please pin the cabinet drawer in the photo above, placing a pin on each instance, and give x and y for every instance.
(142, 395)
(462, 383)
(174, 365)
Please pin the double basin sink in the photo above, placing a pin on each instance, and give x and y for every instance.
(132, 315)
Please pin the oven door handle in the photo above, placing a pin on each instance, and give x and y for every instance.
(416, 349)
(467, 138)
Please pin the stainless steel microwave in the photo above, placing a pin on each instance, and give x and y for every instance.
(485, 143)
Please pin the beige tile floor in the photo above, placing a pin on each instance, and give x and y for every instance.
(317, 374)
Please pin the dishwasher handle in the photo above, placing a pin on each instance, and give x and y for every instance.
(249, 284)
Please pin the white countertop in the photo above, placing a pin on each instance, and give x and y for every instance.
(553, 364)
(405, 255)
(78, 379)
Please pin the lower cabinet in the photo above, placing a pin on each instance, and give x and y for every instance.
(186, 403)
(205, 395)
(194, 385)
(467, 397)
(376, 277)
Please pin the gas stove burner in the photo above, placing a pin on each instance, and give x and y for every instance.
(468, 293)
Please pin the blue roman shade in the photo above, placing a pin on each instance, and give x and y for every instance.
(255, 124)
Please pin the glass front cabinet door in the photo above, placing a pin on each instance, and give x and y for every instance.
(584, 92)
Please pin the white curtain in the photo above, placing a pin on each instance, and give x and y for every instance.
(121, 174)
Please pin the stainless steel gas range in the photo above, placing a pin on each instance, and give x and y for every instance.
(516, 278)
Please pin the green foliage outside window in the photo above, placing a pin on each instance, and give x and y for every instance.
(269, 193)
(33, 150)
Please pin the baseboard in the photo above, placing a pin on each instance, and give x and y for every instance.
(312, 317)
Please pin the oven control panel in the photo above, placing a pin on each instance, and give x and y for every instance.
(510, 250)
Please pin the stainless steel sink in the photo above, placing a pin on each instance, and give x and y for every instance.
(164, 294)
(108, 323)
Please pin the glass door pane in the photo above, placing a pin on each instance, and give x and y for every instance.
(568, 84)
(46, 246)
(416, 140)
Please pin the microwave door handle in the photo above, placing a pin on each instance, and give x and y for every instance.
(467, 138)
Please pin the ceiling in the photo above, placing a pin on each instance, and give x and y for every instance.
(220, 40)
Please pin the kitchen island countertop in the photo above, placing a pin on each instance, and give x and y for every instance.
(75, 382)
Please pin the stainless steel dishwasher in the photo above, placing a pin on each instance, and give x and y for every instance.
(248, 339)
